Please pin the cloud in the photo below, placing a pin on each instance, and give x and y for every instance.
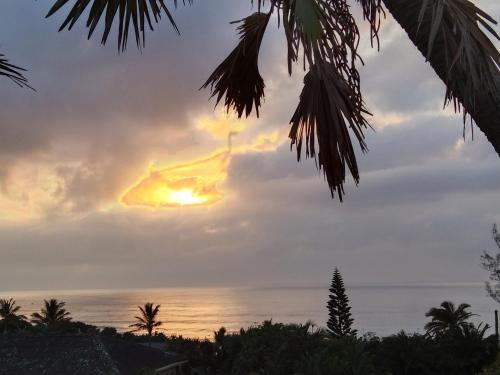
(189, 184)
(196, 183)
(104, 127)
(220, 126)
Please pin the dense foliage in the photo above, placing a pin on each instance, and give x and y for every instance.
(452, 345)
(276, 349)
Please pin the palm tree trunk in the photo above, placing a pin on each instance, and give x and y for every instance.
(485, 108)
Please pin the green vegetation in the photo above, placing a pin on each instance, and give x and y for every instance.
(452, 344)
(274, 348)
(339, 312)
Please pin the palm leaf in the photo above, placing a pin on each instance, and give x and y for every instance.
(448, 33)
(324, 30)
(328, 107)
(237, 77)
(13, 72)
(373, 13)
(140, 13)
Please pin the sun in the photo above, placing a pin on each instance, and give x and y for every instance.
(192, 184)
(185, 197)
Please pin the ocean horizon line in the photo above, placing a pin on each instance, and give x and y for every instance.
(354, 285)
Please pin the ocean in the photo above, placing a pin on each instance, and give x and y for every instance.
(198, 312)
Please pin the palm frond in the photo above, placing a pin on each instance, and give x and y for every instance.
(328, 107)
(469, 52)
(237, 77)
(327, 35)
(373, 12)
(141, 13)
(262, 3)
(37, 318)
(13, 72)
(453, 36)
(138, 327)
(325, 30)
(141, 319)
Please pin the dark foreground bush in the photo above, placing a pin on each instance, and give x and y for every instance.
(278, 349)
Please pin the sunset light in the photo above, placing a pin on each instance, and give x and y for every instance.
(192, 205)
(186, 197)
(190, 184)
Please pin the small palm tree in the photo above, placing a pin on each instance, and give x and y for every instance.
(8, 309)
(148, 319)
(9, 317)
(52, 313)
(473, 332)
(447, 318)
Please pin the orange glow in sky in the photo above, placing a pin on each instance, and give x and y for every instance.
(189, 184)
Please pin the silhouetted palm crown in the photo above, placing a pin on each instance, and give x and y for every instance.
(9, 310)
(447, 318)
(147, 320)
(52, 313)
(324, 36)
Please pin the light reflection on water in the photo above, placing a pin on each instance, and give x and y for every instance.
(198, 312)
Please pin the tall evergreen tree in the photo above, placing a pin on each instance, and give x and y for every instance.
(339, 312)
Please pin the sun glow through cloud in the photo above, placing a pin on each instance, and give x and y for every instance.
(197, 183)
(189, 184)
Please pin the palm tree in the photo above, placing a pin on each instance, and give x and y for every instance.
(447, 318)
(9, 317)
(147, 321)
(220, 337)
(8, 309)
(471, 331)
(52, 313)
(324, 36)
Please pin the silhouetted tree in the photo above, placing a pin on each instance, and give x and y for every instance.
(339, 312)
(220, 337)
(147, 321)
(9, 317)
(448, 319)
(491, 263)
(324, 35)
(52, 313)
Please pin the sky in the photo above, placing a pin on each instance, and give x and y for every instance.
(119, 172)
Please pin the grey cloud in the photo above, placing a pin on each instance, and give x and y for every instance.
(423, 210)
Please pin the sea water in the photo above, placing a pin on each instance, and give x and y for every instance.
(198, 312)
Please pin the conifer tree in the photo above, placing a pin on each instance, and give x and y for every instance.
(339, 312)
